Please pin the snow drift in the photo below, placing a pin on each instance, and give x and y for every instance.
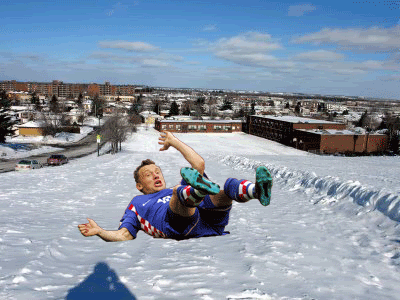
(325, 189)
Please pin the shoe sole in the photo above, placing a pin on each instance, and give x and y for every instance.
(264, 181)
(197, 181)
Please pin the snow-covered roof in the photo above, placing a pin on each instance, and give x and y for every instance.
(336, 132)
(31, 124)
(148, 113)
(296, 120)
(19, 108)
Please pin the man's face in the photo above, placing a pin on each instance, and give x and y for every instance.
(151, 180)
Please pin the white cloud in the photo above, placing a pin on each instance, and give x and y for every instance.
(249, 49)
(151, 62)
(116, 7)
(320, 55)
(300, 10)
(372, 39)
(128, 46)
(210, 27)
(158, 60)
(250, 42)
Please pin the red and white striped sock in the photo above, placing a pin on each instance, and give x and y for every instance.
(247, 191)
(240, 190)
(189, 196)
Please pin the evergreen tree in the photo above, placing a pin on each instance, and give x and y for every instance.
(36, 101)
(174, 109)
(253, 108)
(79, 101)
(241, 113)
(226, 105)
(98, 105)
(199, 106)
(363, 120)
(6, 122)
(54, 106)
(186, 108)
(156, 108)
(297, 109)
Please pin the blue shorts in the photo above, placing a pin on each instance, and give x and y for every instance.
(208, 220)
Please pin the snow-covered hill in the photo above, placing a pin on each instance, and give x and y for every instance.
(331, 231)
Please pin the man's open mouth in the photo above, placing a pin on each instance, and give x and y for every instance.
(158, 183)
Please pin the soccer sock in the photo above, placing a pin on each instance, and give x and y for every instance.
(189, 196)
(240, 190)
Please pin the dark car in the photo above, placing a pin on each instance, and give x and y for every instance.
(57, 160)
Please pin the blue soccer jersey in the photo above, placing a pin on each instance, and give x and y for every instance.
(151, 213)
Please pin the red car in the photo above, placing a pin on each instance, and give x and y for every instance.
(57, 160)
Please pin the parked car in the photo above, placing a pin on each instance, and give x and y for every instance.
(27, 164)
(57, 160)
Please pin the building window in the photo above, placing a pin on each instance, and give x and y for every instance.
(171, 126)
(163, 127)
(227, 127)
(178, 127)
(202, 127)
(217, 127)
(192, 127)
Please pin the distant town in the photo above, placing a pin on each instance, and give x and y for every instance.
(316, 123)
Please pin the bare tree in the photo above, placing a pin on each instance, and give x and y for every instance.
(115, 130)
(50, 125)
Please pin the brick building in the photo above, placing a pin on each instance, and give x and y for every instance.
(204, 126)
(64, 90)
(282, 128)
(342, 141)
(315, 135)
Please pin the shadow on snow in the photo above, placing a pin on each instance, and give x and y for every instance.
(102, 284)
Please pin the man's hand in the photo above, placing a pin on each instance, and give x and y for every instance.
(89, 229)
(166, 139)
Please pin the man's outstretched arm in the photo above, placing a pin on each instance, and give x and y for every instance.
(91, 229)
(167, 139)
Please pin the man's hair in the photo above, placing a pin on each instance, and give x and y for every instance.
(144, 163)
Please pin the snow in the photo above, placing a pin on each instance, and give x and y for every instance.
(295, 119)
(39, 144)
(31, 124)
(9, 153)
(330, 232)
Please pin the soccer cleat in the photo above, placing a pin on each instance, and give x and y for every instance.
(198, 182)
(263, 185)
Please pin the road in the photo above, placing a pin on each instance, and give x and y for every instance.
(85, 146)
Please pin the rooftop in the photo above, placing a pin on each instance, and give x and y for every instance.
(296, 120)
(200, 121)
(336, 132)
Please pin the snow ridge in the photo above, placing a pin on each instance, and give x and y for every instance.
(326, 189)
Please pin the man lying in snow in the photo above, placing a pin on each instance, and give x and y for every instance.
(195, 208)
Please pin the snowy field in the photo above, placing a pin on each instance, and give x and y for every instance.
(330, 232)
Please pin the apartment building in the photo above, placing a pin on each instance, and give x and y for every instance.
(65, 90)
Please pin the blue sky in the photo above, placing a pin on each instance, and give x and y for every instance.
(326, 47)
